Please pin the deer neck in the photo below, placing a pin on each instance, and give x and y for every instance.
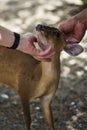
(53, 67)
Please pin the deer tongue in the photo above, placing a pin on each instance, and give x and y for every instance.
(73, 49)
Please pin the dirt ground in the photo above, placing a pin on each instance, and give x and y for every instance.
(70, 103)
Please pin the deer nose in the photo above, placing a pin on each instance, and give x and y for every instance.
(39, 27)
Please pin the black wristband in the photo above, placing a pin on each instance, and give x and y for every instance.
(16, 41)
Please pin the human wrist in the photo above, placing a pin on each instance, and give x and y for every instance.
(20, 46)
(16, 41)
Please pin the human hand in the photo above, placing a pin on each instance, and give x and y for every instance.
(73, 30)
(26, 45)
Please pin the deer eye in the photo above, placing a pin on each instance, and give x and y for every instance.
(57, 34)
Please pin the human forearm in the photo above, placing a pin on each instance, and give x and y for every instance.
(6, 37)
(82, 17)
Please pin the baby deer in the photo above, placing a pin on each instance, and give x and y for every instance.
(33, 79)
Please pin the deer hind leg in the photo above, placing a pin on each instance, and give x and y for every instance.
(26, 110)
(46, 106)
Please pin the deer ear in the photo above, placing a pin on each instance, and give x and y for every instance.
(73, 49)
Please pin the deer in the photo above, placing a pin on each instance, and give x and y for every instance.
(34, 79)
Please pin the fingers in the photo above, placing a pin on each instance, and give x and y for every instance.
(48, 52)
(40, 55)
(44, 55)
(79, 31)
(67, 26)
(67, 29)
(71, 39)
(43, 59)
(76, 35)
(73, 31)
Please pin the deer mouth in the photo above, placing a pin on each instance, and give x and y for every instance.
(42, 40)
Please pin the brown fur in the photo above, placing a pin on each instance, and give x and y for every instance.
(32, 78)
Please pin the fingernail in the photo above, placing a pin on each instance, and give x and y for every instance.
(73, 40)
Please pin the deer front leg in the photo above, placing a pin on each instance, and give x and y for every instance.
(46, 106)
(26, 111)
